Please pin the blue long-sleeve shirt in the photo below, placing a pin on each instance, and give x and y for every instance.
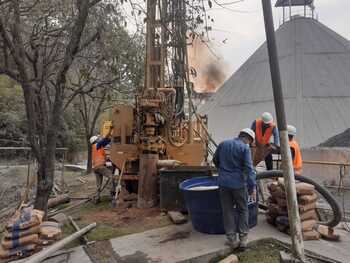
(103, 143)
(234, 162)
(275, 134)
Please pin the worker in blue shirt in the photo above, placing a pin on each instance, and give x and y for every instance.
(236, 179)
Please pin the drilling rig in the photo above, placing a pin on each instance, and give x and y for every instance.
(162, 128)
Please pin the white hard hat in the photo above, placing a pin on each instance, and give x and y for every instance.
(93, 139)
(267, 117)
(291, 130)
(248, 131)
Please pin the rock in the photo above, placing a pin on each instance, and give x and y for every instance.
(230, 259)
(285, 257)
(327, 233)
(177, 217)
(311, 235)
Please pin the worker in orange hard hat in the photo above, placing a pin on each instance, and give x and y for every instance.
(101, 166)
(264, 129)
(295, 150)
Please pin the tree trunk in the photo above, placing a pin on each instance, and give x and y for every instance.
(89, 158)
(45, 184)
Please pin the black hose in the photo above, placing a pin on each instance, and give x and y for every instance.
(337, 213)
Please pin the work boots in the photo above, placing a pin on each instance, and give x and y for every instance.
(232, 241)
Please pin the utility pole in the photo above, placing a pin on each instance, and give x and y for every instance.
(290, 9)
(288, 173)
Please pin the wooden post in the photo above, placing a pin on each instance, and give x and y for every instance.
(148, 181)
(62, 171)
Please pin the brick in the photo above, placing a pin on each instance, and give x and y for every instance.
(177, 217)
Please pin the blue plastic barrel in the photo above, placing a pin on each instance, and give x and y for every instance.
(204, 206)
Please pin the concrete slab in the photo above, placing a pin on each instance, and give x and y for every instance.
(181, 243)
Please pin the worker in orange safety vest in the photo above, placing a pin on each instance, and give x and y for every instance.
(264, 129)
(99, 166)
(295, 150)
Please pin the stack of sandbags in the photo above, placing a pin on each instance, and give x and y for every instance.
(21, 235)
(50, 232)
(278, 214)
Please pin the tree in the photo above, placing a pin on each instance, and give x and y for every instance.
(40, 40)
(107, 72)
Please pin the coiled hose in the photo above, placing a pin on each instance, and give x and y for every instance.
(337, 213)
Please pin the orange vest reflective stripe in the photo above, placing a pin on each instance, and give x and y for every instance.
(259, 137)
(297, 161)
(98, 156)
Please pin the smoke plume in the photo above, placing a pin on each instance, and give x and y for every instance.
(210, 71)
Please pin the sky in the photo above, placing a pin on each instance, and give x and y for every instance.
(244, 29)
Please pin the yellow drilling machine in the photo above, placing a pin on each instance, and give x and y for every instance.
(161, 131)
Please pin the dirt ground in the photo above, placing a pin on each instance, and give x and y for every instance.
(123, 220)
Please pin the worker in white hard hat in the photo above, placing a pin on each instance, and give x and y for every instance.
(295, 150)
(99, 165)
(264, 128)
(236, 180)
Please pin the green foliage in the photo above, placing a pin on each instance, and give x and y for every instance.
(12, 114)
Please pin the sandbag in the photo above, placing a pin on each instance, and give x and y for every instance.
(18, 252)
(308, 225)
(21, 233)
(278, 192)
(271, 200)
(22, 241)
(50, 230)
(311, 214)
(307, 199)
(308, 207)
(311, 235)
(301, 188)
(24, 219)
(305, 189)
(281, 202)
(273, 209)
(282, 211)
(272, 187)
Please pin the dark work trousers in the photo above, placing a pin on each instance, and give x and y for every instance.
(231, 198)
(269, 162)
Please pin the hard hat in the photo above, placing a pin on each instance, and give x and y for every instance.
(267, 117)
(291, 130)
(93, 139)
(249, 132)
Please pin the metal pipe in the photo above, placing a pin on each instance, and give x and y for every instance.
(288, 173)
(37, 258)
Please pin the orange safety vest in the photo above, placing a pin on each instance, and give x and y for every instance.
(297, 161)
(98, 156)
(259, 137)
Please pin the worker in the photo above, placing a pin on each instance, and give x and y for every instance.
(236, 178)
(100, 167)
(264, 129)
(295, 150)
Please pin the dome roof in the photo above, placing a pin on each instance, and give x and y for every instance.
(315, 73)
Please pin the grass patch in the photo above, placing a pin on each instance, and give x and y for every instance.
(262, 251)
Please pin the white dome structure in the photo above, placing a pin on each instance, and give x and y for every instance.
(315, 73)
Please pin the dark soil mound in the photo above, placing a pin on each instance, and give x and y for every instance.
(339, 140)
